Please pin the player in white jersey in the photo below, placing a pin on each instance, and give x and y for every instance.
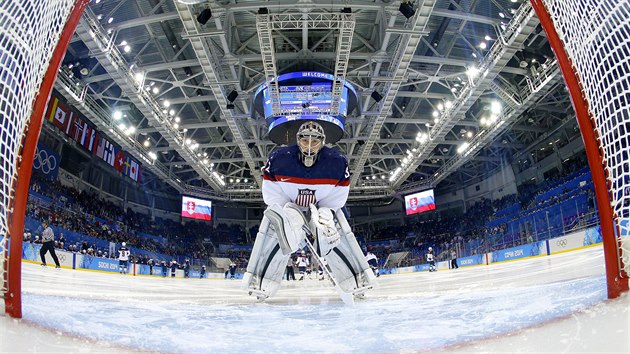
(431, 260)
(302, 263)
(372, 261)
(298, 179)
(123, 258)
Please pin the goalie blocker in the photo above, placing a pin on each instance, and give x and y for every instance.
(281, 233)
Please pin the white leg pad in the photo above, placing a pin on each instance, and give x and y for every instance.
(347, 262)
(266, 264)
(287, 223)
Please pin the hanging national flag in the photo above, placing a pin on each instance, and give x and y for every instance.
(134, 170)
(52, 108)
(127, 165)
(69, 123)
(119, 160)
(85, 135)
(92, 141)
(78, 129)
(100, 148)
(109, 153)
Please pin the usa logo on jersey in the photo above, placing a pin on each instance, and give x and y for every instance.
(305, 197)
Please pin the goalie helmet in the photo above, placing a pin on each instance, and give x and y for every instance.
(430, 249)
(124, 244)
(310, 139)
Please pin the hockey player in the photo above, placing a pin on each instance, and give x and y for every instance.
(308, 176)
(302, 263)
(123, 258)
(372, 261)
(232, 270)
(174, 266)
(202, 273)
(187, 268)
(431, 260)
(164, 268)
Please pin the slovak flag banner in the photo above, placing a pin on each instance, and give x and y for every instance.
(195, 208)
(419, 202)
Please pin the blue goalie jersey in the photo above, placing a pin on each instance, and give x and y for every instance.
(325, 184)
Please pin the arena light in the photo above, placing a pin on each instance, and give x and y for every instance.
(117, 115)
(177, 119)
(166, 103)
(171, 112)
(176, 126)
(146, 143)
(127, 49)
(483, 45)
(472, 72)
(156, 90)
(152, 155)
(495, 107)
(139, 76)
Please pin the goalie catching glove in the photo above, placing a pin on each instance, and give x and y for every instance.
(327, 235)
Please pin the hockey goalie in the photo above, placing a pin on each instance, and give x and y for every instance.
(305, 187)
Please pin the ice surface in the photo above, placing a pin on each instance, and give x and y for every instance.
(547, 304)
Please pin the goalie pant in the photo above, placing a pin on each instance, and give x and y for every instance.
(272, 250)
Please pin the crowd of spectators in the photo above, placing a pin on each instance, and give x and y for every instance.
(455, 230)
(88, 214)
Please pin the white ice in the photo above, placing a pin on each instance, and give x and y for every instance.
(545, 304)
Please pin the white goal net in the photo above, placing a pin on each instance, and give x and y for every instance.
(596, 37)
(29, 32)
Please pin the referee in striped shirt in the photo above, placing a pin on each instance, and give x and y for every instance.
(48, 244)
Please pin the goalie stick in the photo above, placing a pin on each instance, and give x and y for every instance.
(347, 298)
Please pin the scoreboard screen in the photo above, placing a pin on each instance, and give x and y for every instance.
(419, 202)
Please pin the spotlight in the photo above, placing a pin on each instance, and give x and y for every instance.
(204, 16)
(346, 10)
(407, 10)
(263, 11)
(376, 96)
(230, 106)
(232, 96)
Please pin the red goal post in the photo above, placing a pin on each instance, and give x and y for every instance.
(591, 40)
(34, 36)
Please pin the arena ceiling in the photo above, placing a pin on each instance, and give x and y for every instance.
(456, 72)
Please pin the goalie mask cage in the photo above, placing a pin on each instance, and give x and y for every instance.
(591, 40)
(34, 36)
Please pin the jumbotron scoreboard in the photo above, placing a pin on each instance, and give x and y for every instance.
(304, 95)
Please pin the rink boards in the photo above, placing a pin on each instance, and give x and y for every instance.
(582, 238)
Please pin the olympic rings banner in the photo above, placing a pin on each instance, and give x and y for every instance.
(46, 161)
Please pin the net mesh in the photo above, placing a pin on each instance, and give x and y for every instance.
(596, 36)
(29, 32)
